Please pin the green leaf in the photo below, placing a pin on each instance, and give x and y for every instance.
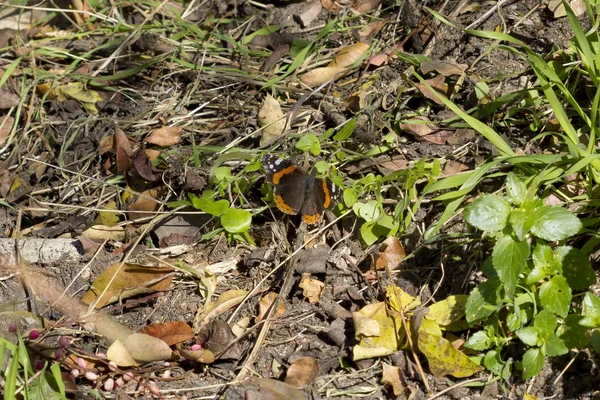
(509, 258)
(555, 223)
(478, 341)
(368, 232)
(488, 213)
(216, 208)
(346, 130)
(545, 322)
(516, 191)
(533, 362)
(573, 334)
(236, 220)
(493, 362)
(521, 222)
(369, 211)
(350, 197)
(591, 310)
(555, 295)
(576, 267)
(477, 308)
(222, 174)
(310, 143)
(528, 335)
(553, 346)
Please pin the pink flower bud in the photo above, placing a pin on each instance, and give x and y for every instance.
(109, 384)
(34, 334)
(91, 376)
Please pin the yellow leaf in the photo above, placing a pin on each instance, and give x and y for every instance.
(120, 355)
(77, 91)
(265, 304)
(399, 298)
(391, 334)
(448, 310)
(146, 348)
(108, 218)
(443, 358)
(102, 232)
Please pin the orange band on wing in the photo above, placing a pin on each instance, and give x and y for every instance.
(327, 194)
(312, 219)
(278, 175)
(282, 206)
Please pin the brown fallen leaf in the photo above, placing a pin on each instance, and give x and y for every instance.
(124, 150)
(390, 254)
(345, 57)
(165, 136)
(218, 337)
(265, 304)
(130, 280)
(363, 6)
(319, 76)
(120, 355)
(302, 371)
(169, 332)
(438, 85)
(270, 389)
(202, 356)
(145, 202)
(8, 100)
(333, 6)
(391, 377)
(102, 232)
(6, 125)
(312, 289)
(144, 168)
(444, 67)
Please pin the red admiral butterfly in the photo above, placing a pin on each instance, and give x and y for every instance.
(297, 192)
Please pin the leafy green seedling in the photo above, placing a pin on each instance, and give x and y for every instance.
(234, 221)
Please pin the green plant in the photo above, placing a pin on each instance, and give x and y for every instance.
(19, 378)
(236, 222)
(531, 277)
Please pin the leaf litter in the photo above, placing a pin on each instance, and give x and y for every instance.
(166, 128)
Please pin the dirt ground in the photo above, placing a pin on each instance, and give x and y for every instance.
(66, 178)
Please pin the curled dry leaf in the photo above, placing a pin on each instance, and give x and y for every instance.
(124, 150)
(170, 332)
(225, 302)
(265, 304)
(120, 355)
(302, 371)
(165, 136)
(312, 289)
(345, 57)
(271, 119)
(438, 85)
(391, 254)
(363, 6)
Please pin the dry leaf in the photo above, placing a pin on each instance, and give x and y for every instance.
(240, 327)
(6, 124)
(271, 119)
(444, 67)
(333, 6)
(319, 76)
(312, 288)
(348, 55)
(108, 218)
(165, 136)
(78, 91)
(265, 304)
(202, 355)
(391, 254)
(302, 371)
(107, 143)
(169, 332)
(131, 280)
(119, 354)
(391, 377)
(363, 6)
(8, 100)
(437, 84)
(124, 150)
(225, 302)
(147, 348)
(102, 232)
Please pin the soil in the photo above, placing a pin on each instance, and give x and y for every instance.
(220, 110)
